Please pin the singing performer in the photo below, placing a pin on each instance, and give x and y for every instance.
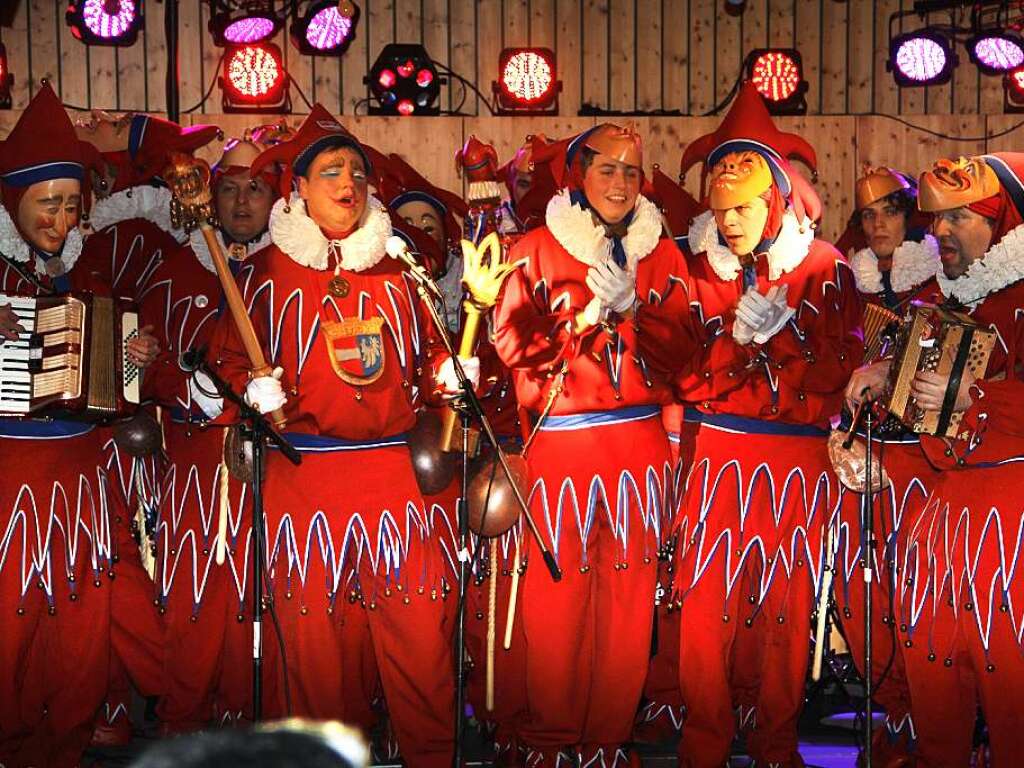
(778, 317)
(958, 604)
(350, 342)
(128, 234)
(597, 277)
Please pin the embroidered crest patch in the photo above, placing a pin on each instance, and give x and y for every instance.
(356, 349)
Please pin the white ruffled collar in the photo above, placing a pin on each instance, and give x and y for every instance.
(913, 263)
(575, 230)
(142, 202)
(785, 254)
(202, 251)
(295, 233)
(14, 247)
(1002, 265)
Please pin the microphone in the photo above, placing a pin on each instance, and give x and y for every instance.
(193, 359)
(397, 249)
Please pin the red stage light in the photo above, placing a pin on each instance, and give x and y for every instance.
(406, 107)
(1013, 90)
(777, 74)
(255, 79)
(527, 81)
(6, 80)
(387, 79)
(404, 81)
(424, 78)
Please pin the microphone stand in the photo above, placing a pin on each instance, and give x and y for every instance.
(868, 552)
(259, 429)
(469, 408)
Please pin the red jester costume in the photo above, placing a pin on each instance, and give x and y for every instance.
(960, 588)
(344, 326)
(590, 282)
(779, 318)
(56, 505)
(207, 650)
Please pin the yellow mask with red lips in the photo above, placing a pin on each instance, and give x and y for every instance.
(955, 184)
(738, 178)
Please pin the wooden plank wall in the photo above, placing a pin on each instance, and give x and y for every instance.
(678, 56)
(623, 55)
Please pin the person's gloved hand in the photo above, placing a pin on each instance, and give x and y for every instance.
(204, 394)
(264, 393)
(779, 315)
(450, 382)
(612, 285)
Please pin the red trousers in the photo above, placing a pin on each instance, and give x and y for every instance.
(911, 478)
(55, 571)
(207, 657)
(961, 609)
(588, 637)
(349, 524)
(749, 562)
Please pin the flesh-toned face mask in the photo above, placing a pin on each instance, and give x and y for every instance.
(956, 183)
(738, 178)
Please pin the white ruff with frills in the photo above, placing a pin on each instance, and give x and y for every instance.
(1002, 265)
(784, 255)
(585, 239)
(913, 263)
(143, 202)
(295, 233)
(202, 251)
(14, 247)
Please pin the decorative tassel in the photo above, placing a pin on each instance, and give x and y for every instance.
(222, 518)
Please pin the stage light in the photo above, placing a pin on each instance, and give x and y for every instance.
(1013, 90)
(527, 82)
(404, 81)
(254, 79)
(6, 80)
(919, 58)
(326, 29)
(105, 22)
(252, 22)
(995, 53)
(777, 74)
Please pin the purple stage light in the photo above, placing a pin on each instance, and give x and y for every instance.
(252, 29)
(108, 18)
(995, 54)
(328, 29)
(922, 57)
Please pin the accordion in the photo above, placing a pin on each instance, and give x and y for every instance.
(880, 326)
(71, 358)
(933, 338)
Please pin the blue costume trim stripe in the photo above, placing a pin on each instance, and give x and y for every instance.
(307, 443)
(731, 423)
(39, 429)
(573, 421)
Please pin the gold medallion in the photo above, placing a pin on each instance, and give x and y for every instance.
(338, 286)
(237, 252)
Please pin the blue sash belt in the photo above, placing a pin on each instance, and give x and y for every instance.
(728, 422)
(574, 421)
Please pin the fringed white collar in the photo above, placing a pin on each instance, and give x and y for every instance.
(142, 202)
(913, 263)
(295, 233)
(1002, 265)
(202, 251)
(576, 230)
(785, 254)
(14, 247)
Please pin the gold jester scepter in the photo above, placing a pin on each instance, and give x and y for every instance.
(483, 278)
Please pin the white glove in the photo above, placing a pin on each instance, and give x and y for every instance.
(758, 317)
(450, 382)
(264, 393)
(613, 285)
(780, 314)
(204, 394)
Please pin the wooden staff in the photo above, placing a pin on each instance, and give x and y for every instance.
(191, 207)
(483, 278)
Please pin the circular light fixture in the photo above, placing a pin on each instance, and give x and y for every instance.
(253, 22)
(527, 81)
(105, 22)
(253, 71)
(776, 75)
(996, 53)
(921, 58)
(404, 81)
(251, 29)
(326, 29)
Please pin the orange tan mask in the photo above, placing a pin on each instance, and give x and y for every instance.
(738, 178)
(956, 183)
